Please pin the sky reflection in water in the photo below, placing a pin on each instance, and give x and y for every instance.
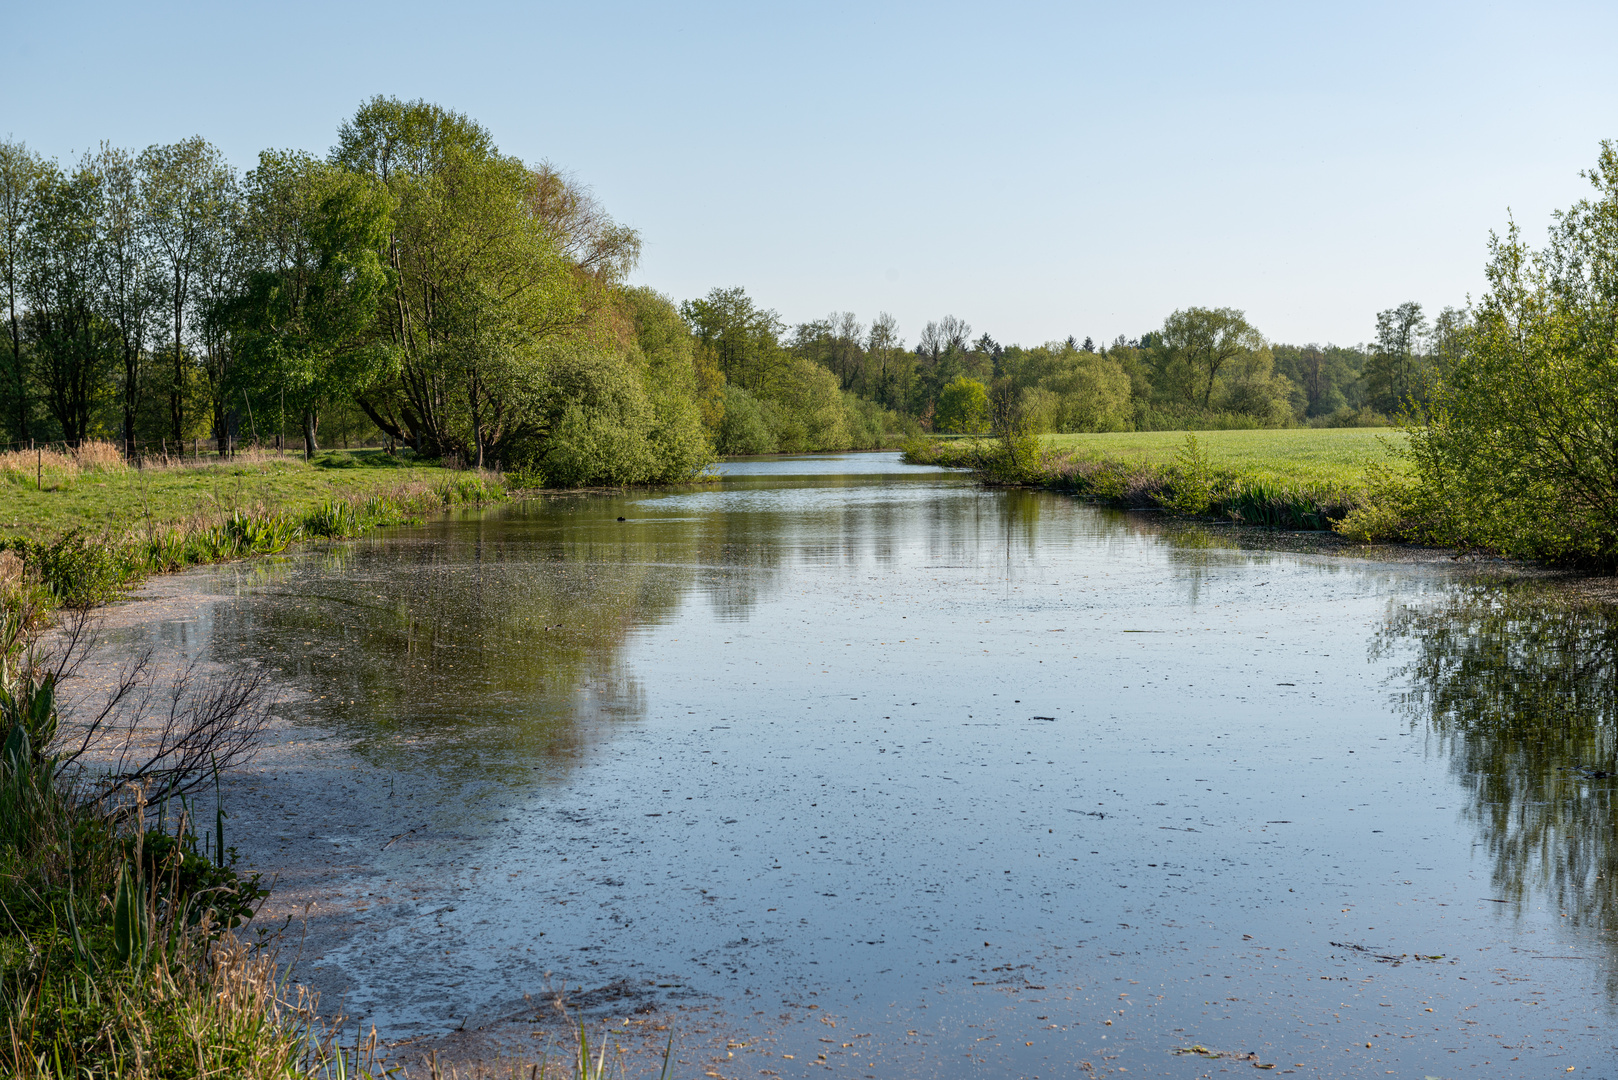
(989, 767)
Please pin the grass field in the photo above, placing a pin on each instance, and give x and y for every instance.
(1297, 478)
(47, 495)
(1302, 455)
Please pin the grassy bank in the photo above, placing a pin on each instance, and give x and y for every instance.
(1289, 478)
(95, 491)
(79, 529)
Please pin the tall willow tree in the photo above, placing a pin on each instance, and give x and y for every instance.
(496, 267)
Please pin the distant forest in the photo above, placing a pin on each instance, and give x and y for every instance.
(418, 289)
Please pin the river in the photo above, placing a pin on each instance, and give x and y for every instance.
(996, 782)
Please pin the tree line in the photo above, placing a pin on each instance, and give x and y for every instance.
(1203, 368)
(416, 286)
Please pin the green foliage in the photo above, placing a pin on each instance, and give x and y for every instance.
(1060, 387)
(963, 407)
(744, 429)
(1214, 359)
(1395, 373)
(601, 425)
(742, 338)
(335, 520)
(77, 570)
(1518, 452)
(1190, 480)
(869, 425)
(1394, 508)
(305, 313)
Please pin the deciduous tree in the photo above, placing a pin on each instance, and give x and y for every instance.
(20, 173)
(188, 188)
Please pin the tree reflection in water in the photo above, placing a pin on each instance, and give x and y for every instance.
(1519, 686)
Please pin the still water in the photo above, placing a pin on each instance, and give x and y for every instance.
(1001, 783)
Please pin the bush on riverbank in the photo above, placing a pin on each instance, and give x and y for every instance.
(1517, 455)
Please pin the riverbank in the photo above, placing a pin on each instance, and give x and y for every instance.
(1304, 479)
(80, 529)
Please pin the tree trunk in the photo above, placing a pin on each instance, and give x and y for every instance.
(311, 422)
(475, 400)
(131, 394)
(16, 368)
(176, 402)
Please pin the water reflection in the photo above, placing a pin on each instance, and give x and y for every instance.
(491, 643)
(473, 638)
(1517, 688)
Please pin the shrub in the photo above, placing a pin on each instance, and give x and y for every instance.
(1517, 452)
(963, 406)
(743, 429)
(76, 570)
(1190, 480)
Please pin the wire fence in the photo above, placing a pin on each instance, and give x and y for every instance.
(172, 450)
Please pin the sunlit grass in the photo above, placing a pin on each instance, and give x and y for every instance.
(1311, 479)
(1335, 456)
(47, 494)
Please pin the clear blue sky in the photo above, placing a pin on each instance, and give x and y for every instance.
(1036, 169)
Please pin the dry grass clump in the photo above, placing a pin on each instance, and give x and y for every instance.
(98, 456)
(58, 464)
(55, 466)
(89, 457)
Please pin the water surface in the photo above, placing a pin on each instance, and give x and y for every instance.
(1001, 783)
